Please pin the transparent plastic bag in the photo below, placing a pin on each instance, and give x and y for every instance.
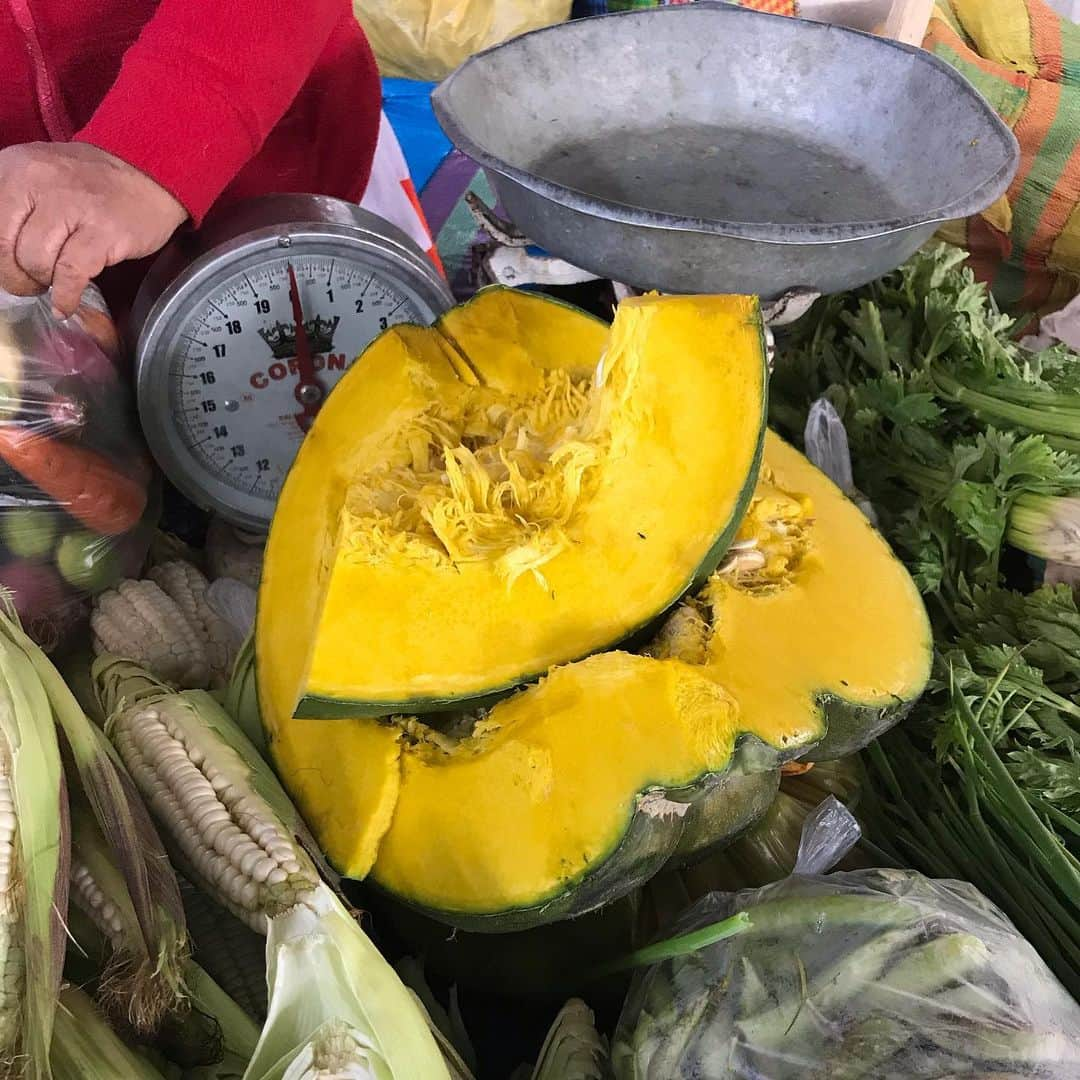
(879, 974)
(78, 499)
(826, 441)
(428, 39)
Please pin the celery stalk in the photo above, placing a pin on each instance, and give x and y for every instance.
(1046, 526)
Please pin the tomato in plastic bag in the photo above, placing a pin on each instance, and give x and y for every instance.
(78, 496)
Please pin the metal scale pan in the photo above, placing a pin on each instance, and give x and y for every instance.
(711, 148)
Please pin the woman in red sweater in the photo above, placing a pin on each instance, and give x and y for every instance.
(122, 119)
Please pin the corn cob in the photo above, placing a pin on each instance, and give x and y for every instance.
(204, 789)
(187, 587)
(140, 620)
(232, 954)
(236, 831)
(135, 987)
(107, 908)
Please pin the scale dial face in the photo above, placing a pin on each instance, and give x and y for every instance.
(233, 374)
(219, 377)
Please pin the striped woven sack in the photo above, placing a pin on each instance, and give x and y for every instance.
(584, 8)
(1025, 60)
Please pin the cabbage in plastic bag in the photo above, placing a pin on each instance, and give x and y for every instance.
(882, 974)
(76, 506)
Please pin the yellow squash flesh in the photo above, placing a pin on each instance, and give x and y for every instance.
(808, 642)
(548, 783)
(815, 621)
(476, 504)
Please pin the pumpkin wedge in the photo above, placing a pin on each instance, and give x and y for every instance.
(509, 490)
(572, 792)
(808, 641)
(813, 619)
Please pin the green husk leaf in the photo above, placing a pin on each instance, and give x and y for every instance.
(242, 696)
(239, 1033)
(33, 899)
(335, 1002)
(573, 1049)
(84, 1047)
(447, 1027)
(454, 1062)
(133, 842)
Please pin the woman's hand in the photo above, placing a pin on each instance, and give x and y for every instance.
(68, 210)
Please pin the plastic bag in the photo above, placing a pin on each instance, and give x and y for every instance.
(882, 974)
(77, 492)
(826, 441)
(427, 39)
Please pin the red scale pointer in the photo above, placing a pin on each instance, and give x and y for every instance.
(309, 391)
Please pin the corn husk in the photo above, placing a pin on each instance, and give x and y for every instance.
(239, 1033)
(336, 1004)
(242, 696)
(34, 875)
(447, 1026)
(573, 1049)
(151, 984)
(84, 1047)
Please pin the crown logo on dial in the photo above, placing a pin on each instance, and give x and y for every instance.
(281, 337)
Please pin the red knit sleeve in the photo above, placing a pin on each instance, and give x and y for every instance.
(203, 86)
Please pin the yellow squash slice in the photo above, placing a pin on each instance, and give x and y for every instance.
(510, 490)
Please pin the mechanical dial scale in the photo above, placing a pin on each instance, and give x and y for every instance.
(244, 327)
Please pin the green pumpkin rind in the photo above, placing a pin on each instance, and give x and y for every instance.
(688, 822)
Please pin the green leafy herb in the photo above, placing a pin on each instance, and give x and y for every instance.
(966, 444)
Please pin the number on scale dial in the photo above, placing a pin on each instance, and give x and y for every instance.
(234, 374)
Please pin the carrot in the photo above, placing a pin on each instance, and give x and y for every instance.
(85, 484)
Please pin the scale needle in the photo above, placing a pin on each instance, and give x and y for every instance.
(308, 392)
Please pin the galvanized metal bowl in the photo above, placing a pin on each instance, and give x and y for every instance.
(711, 148)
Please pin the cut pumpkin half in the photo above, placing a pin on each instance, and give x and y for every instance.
(809, 641)
(509, 490)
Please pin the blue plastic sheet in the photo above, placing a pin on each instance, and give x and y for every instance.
(407, 104)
